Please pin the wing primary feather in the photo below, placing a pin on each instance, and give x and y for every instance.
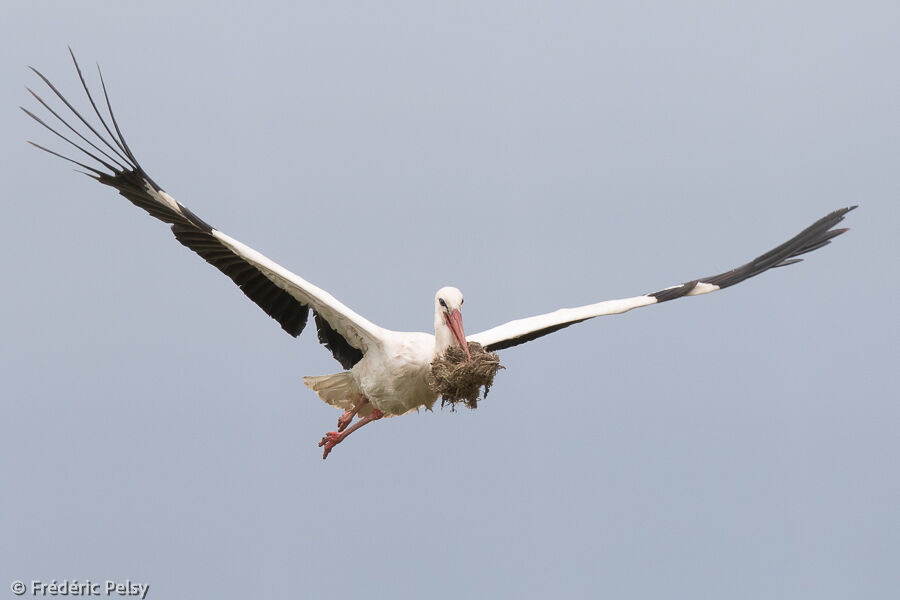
(39, 120)
(815, 236)
(115, 123)
(785, 263)
(90, 96)
(72, 129)
(82, 165)
(75, 112)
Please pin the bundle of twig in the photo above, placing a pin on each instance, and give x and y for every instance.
(457, 379)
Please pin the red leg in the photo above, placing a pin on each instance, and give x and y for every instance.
(347, 417)
(333, 438)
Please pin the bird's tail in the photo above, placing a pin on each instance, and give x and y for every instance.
(339, 389)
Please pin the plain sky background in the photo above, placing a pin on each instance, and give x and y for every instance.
(536, 155)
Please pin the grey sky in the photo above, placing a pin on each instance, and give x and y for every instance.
(741, 445)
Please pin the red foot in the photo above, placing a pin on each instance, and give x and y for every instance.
(331, 439)
(348, 415)
(345, 420)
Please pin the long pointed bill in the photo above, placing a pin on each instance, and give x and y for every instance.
(454, 322)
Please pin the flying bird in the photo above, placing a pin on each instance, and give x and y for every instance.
(385, 371)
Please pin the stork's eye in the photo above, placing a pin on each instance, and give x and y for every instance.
(442, 303)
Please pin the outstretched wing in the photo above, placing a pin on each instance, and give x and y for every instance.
(283, 295)
(518, 332)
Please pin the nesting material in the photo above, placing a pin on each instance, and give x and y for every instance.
(456, 379)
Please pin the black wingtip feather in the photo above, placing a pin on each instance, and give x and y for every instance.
(785, 263)
(816, 236)
(77, 114)
(47, 150)
(133, 162)
(76, 132)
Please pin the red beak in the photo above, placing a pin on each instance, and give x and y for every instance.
(454, 322)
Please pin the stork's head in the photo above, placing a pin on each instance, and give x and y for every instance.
(448, 325)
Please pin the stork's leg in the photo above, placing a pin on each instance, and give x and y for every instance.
(347, 417)
(333, 438)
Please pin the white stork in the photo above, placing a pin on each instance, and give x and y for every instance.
(385, 370)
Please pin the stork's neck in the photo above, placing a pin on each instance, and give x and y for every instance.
(443, 336)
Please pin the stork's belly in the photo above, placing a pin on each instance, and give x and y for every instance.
(404, 389)
(404, 401)
(405, 394)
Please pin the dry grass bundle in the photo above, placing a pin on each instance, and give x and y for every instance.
(459, 380)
